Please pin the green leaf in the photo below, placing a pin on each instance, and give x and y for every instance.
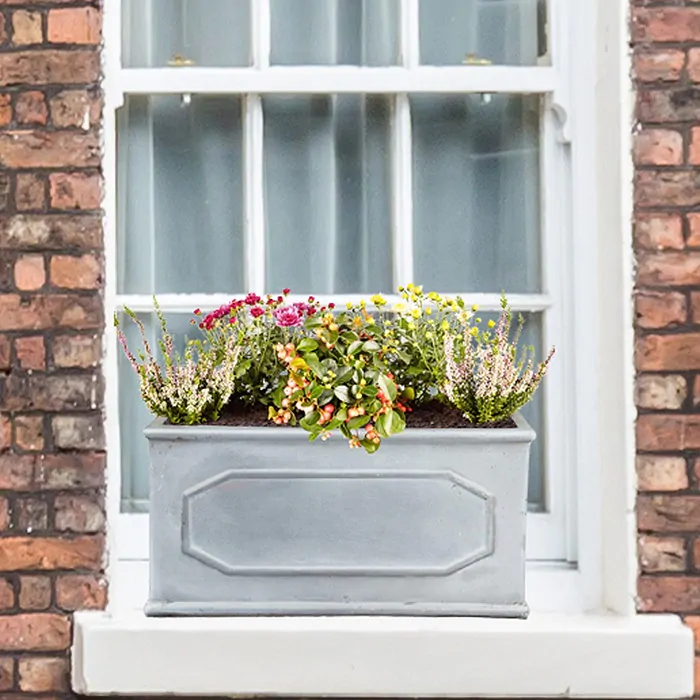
(343, 375)
(397, 422)
(313, 322)
(342, 393)
(403, 356)
(371, 346)
(387, 386)
(310, 421)
(325, 397)
(355, 347)
(370, 391)
(307, 345)
(314, 364)
(358, 422)
(345, 430)
(380, 425)
(316, 391)
(349, 336)
(342, 414)
(370, 447)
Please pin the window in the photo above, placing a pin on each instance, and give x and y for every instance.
(343, 147)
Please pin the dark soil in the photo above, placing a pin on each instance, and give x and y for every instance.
(432, 414)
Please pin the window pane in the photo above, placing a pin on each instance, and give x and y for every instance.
(327, 190)
(335, 32)
(510, 32)
(476, 193)
(180, 195)
(205, 32)
(133, 416)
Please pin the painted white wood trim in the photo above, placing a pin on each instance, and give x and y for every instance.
(186, 303)
(254, 188)
(339, 79)
(410, 33)
(260, 33)
(545, 656)
(402, 199)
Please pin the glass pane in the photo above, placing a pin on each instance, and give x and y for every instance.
(476, 191)
(335, 32)
(180, 195)
(533, 411)
(507, 32)
(327, 193)
(133, 416)
(189, 32)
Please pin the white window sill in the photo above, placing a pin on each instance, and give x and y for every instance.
(547, 655)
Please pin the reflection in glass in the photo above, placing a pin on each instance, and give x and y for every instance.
(180, 195)
(203, 32)
(327, 193)
(476, 193)
(335, 32)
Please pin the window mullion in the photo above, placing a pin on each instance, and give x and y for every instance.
(410, 40)
(260, 29)
(254, 194)
(402, 171)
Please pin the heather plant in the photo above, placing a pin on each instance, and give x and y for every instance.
(190, 388)
(487, 378)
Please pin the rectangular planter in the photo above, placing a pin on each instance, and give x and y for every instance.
(258, 521)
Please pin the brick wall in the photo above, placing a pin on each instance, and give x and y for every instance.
(51, 460)
(666, 40)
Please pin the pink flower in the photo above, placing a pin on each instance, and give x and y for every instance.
(257, 311)
(286, 291)
(288, 316)
(252, 299)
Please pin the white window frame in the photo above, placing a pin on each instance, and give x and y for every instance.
(556, 538)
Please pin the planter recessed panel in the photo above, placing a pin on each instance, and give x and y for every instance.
(258, 521)
(393, 523)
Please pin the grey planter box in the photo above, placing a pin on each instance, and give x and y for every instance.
(258, 521)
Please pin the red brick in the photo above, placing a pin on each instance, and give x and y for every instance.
(665, 432)
(74, 26)
(662, 188)
(79, 592)
(661, 473)
(679, 594)
(29, 433)
(658, 231)
(34, 632)
(30, 108)
(30, 273)
(70, 470)
(671, 105)
(658, 554)
(26, 28)
(5, 353)
(3, 29)
(76, 272)
(7, 595)
(668, 513)
(47, 553)
(30, 352)
(694, 230)
(668, 268)
(695, 306)
(7, 666)
(30, 515)
(59, 392)
(34, 592)
(16, 472)
(43, 674)
(4, 514)
(75, 191)
(79, 513)
(5, 433)
(51, 232)
(652, 65)
(659, 353)
(660, 309)
(660, 391)
(71, 432)
(665, 24)
(49, 149)
(75, 108)
(694, 65)
(50, 311)
(5, 109)
(26, 68)
(30, 192)
(77, 351)
(658, 147)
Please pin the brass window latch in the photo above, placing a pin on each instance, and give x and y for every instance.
(180, 61)
(471, 59)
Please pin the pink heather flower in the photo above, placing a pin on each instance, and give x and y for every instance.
(288, 316)
(286, 291)
(311, 300)
(252, 299)
(197, 312)
(257, 311)
(331, 305)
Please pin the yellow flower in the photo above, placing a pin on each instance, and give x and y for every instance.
(410, 286)
(477, 319)
(378, 300)
(428, 335)
(434, 296)
(415, 313)
(400, 307)
(363, 303)
(418, 289)
(411, 326)
(475, 307)
(348, 306)
(491, 324)
(475, 331)
(428, 311)
(445, 326)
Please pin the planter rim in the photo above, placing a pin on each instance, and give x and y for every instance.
(158, 429)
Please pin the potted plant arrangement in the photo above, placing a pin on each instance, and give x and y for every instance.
(258, 507)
